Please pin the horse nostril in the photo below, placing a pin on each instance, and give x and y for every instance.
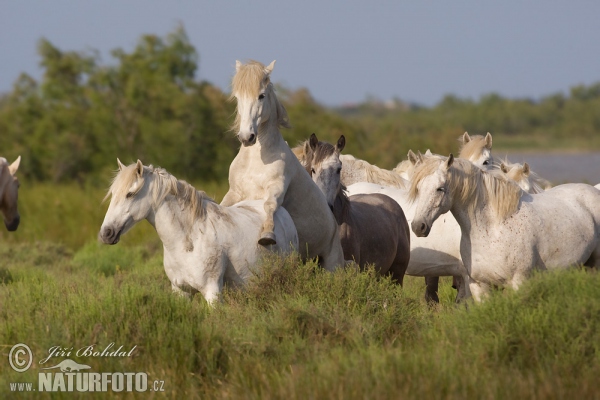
(251, 138)
(423, 227)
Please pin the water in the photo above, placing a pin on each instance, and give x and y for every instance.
(560, 167)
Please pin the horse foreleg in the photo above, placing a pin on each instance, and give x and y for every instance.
(478, 290)
(272, 202)
(180, 292)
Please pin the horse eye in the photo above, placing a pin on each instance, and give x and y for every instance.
(442, 189)
(486, 162)
(129, 194)
(312, 170)
(261, 96)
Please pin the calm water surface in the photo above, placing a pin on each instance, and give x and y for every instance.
(560, 167)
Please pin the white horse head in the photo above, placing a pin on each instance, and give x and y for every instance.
(439, 183)
(257, 105)
(326, 166)
(522, 174)
(433, 191)
(9, 193)
(129, 202)
(477, 149)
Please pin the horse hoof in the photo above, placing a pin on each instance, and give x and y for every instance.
(267, 239)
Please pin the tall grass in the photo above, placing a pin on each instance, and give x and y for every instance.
(295, 332)
(300, 332)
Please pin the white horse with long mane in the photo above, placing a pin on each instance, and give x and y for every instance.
(505, 232)
(9, 193)
(265, 168)
(205, 244)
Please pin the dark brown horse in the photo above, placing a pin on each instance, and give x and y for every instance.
(373, 228)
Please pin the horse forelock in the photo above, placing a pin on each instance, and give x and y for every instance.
(474, 147)
(323, 151)
(247, 82)
(470, 185)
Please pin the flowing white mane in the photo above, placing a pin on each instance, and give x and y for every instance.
(375, 174)
(524, 176)
(471, 186)
(163, 185)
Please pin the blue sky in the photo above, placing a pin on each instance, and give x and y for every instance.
(342, 51)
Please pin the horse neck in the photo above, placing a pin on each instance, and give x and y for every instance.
(175, 224)
(473, 210)
(4, 175)
(341, 206)
(269, 135)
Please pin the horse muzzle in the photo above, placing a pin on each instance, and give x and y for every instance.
(420, 228)
(248, 142)
(14, 224)
(109, 235)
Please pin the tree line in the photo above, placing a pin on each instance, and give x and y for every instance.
(82, 114)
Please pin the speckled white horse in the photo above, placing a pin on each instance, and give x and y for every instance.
(9, 193)
(505, 232)
(266, 169)
(205, 245)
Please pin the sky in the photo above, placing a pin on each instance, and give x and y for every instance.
(343, 52)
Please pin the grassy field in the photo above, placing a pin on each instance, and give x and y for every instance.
(297, 332)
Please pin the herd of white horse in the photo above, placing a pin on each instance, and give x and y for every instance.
(486, 222)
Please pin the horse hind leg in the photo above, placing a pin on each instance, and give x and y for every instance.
(431, 289)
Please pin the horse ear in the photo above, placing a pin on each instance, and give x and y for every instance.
(466, 138)
(428, 152)
(341, 143)
(412, 157)
(488, 141)
(313, 141)
(269, 68)
(139, 168)
(504, 168)
(238, 65)
(419, 156)
(14, 166)
(526, 169)
(450, 161)
(120, 164)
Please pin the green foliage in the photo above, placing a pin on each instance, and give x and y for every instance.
(84, 115)
(300, 332)
(148, 104)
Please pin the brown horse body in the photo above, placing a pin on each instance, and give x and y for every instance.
(373, 227)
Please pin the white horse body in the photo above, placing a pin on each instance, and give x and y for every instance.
(203, 249)
(219, 255)
(435, 255)
(505, 237)
(265, 168)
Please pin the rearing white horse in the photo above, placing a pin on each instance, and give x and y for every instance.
(505, 232)
(265, 168)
